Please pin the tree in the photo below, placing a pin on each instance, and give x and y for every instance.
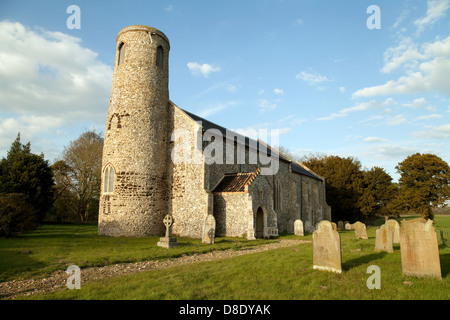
(16, 215)
(344, 182)
(78, 175)
(378, 191)
(424, 183)
(23, 172)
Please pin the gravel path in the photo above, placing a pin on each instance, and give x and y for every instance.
(11, 289)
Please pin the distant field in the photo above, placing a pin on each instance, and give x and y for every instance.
(279, 274)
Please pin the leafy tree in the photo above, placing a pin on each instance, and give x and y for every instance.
(78, 176)
(344, 183)
(424, 183)
(378, 191)
(28, 174)
(16, 215)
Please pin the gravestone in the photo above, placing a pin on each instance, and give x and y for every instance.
(298, 228)
(360, 230)
(334, 225)
(326, 248)
(348, 226)
(419, 249)
(209, 230)
(395, 227)
(309, 227)
(167, 241)
(290, 226)
(340, 225)
(384, 239)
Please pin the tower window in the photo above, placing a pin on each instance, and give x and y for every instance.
(108, 180)
(159, 57)
(121, 53)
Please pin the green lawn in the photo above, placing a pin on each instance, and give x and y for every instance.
(279, 274)
(55, 247)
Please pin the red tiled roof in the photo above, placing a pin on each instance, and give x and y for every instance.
(236, 182)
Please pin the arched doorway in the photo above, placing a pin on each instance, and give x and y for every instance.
(259, 226)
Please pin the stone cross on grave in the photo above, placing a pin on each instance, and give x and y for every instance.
(168, 221)
(168, 242)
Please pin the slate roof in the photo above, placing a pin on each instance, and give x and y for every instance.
(295, 167)
(236, 182)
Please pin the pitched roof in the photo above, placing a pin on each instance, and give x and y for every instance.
(250, 143)
(236, 182)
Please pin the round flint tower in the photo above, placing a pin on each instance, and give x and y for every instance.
(134, 194)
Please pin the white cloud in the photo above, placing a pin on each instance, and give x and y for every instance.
(216, 108)
(50, 73)
(266, 105)
(426, 70)
(278, 91)
(396, 152)
(440, 132)
(231, 88)
(169, 8)
(311, 78)
(374, 139)
(419, 103)
(203, 69)
(48, 80)
(362, 106)
(396, 120)
(436, 10)
(429, 117)
(342, 89)
(406, 53)
(297, 22)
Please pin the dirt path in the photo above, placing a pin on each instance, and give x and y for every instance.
(11, 289)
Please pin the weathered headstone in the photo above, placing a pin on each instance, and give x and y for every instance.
(348, 226)
(290, 226)
(360, 230)
(419, 249)
(167, 241)
(340, 225)
(395, 227)
(209, 230)
(384, 239)
(326, 248)
(298, 228)
(309, 227)
(334, 225)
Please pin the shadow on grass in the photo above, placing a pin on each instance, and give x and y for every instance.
(353, 263)
(445, 264)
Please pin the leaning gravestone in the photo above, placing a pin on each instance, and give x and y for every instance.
(384, 239)
(209, 230)
(326, 248)
(309, 227)
(419, 249)
(167, 241)
(298, 228)
(360, 230)
(395, 227)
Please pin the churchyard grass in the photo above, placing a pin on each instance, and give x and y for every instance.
(277, 274)
(54, 247)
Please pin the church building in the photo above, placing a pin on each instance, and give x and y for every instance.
(159, 159)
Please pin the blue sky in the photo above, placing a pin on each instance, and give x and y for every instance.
(312, 69)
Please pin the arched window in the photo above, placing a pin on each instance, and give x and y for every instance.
(121, 53)
(108, 180)
(276, 195)
(160, 57)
